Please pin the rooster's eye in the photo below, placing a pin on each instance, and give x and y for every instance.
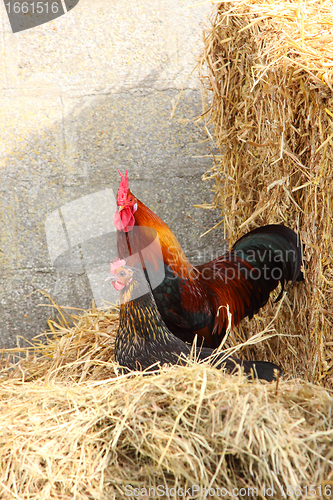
(131, 199)
(122, 274)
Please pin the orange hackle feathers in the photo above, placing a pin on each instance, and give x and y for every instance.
(166, 240)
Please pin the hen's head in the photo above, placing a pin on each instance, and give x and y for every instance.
(129, 281)
(120, 274)
(127, 205)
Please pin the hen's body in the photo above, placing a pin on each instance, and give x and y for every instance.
(144, 340)
(197, 300)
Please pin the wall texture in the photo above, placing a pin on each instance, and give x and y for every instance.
(81, 97)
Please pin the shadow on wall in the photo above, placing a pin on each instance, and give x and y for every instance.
(58, 198)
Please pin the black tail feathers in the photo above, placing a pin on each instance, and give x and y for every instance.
(255, 369)
(275, 253)
(263, 370)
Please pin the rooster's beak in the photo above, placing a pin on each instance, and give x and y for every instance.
(121, 208)
(110, 278)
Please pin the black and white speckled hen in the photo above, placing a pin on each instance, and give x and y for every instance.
(144, 340)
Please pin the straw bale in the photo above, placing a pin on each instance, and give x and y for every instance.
(69, 431)
(267, 80)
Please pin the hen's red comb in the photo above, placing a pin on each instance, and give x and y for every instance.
(123, 189)
(117, 263)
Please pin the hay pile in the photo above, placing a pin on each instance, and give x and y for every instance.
(267, 74)
(74, 428)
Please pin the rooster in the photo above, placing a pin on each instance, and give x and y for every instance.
(199, 300)
(144, 341)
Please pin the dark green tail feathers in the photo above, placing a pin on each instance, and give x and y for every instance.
(275, 252)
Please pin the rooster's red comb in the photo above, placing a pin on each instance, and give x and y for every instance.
(123, 189)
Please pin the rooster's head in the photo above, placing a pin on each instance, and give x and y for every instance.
(126, 206)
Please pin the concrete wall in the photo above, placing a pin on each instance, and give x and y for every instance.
(81, 97)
